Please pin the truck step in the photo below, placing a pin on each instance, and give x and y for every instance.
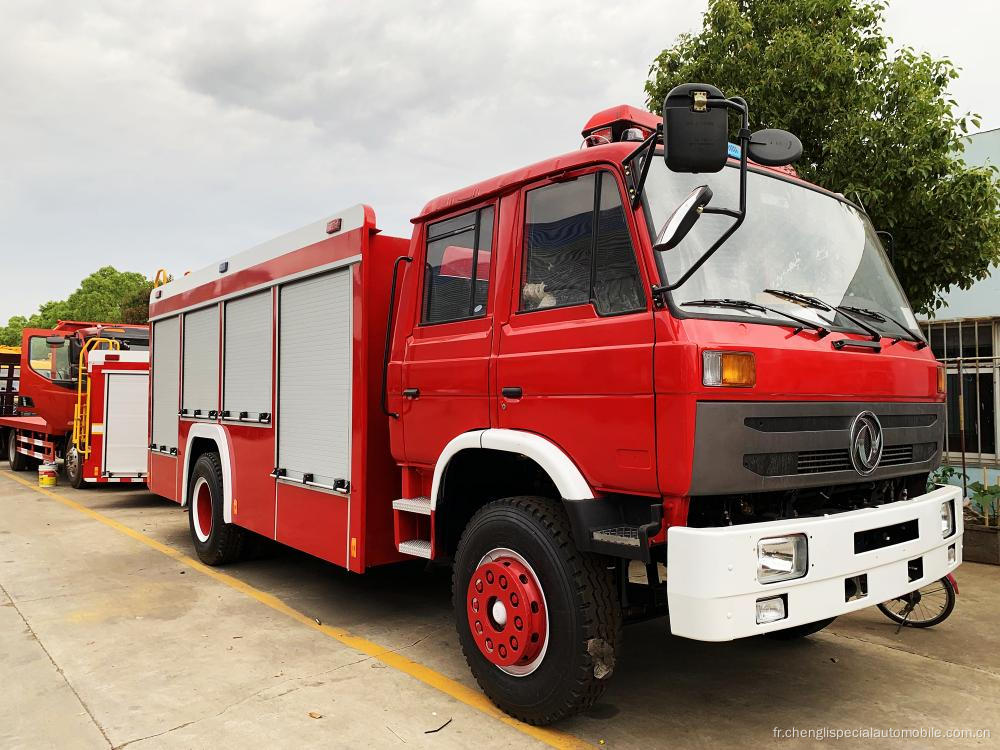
(627, 536)
(421, 505)
(416, 547)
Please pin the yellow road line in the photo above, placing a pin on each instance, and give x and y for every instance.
(472, 698)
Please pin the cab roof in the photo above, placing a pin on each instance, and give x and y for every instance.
(611, 121)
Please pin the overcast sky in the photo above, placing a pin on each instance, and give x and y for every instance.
(172, 134)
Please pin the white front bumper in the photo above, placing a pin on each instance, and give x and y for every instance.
(712, 581)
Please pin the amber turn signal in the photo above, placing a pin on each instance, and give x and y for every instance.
(736, 369)
(941, 379)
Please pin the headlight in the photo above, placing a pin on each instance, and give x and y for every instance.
(728, 368)
(947, 519)
(782, 558)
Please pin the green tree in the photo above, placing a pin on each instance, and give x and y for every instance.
(107, 295)
(878, 127)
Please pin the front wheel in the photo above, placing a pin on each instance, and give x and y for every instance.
(923, 608)
(215, 541)
(538, 620)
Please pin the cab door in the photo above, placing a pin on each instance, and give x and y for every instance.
(575, 357)
(446, 357)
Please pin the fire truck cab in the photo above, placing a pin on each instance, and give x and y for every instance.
(82, 398)
(644, 357)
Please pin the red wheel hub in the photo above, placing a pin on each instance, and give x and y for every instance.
(506, 612)
(203, 507)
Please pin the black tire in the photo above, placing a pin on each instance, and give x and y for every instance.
(223, 542)
(583, 613)
(74, 469)
(799, 631)
(949, 597)
(18, 461)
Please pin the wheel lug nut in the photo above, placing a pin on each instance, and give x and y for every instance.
(503, 582)
(518, 623)
(513, 599)
(489, 644)
(503, 651)
(479, 585)
(489, 576)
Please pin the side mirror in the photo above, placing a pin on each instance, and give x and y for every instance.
(683, 218)
(55, 341)
(774, 148)
(696, 129)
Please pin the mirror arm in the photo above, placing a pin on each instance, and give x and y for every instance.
(724, 211)
(649, 147)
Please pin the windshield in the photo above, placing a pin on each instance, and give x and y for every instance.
(793, 239)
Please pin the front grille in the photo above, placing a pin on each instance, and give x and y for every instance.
(822, 423)
(835, 459)
(896, 455)
(816, 462)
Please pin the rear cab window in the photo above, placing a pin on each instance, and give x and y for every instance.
(457, 267)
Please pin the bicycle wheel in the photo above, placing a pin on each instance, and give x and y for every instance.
(923, 608)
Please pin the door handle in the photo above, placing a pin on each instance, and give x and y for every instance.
(511, 392)
(411, 393)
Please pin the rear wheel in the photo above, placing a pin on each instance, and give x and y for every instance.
(74, 468)
(799, 631)
(215, 541)
(18, 461)
(537, 619)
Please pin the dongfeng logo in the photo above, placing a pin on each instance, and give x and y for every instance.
(866, 443)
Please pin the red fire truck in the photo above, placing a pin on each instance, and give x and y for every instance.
(659, 353)
(82, 401)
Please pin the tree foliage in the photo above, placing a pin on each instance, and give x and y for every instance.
(878, 127)
(107, 295)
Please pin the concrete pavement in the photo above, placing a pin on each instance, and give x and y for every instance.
(107, 641)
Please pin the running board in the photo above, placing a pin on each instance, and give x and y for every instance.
(421, 505)
(416, 547)
(411, 521)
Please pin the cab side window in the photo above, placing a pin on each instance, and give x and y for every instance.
(457, 267)
(578, 249)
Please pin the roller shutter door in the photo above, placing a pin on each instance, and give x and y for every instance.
(201, 362)
(314, 378)
(166, 379)
(125, 422)
(247, 361)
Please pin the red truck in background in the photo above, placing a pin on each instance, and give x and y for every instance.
(82, 397)
(659, 351)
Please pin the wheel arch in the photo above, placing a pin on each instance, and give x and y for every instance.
(208, 438)
(480, 466)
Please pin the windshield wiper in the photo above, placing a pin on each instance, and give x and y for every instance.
(742, 304)
(883, 317)
(817, 303)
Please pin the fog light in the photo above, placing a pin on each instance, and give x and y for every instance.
(947, 519)
(728, 368)
(771, 609)
(782, 558)
(952, 554)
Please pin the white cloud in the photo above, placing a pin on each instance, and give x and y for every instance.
(171, 134)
